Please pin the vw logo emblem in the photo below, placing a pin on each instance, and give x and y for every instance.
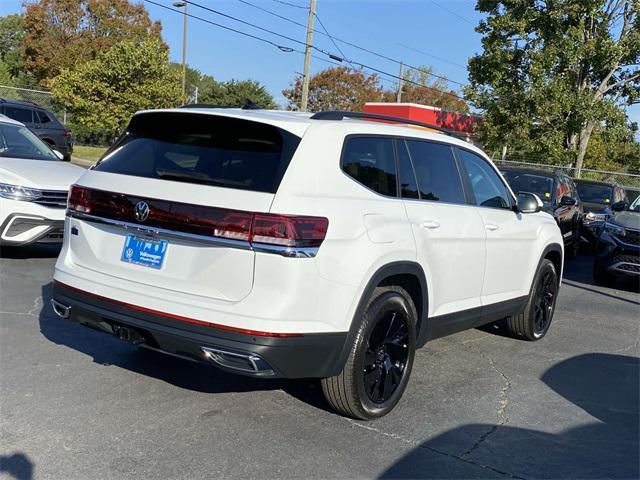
(141, 211)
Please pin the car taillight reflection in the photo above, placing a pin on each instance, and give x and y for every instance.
(252, 227)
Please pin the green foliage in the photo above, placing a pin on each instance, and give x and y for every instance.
(196, 81)
(11, 37)
(5, 74)
(234, 93)
(423, 87)
(63, 34)
(104, 93)
(553, 73)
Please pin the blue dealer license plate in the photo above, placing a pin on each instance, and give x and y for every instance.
(143, 251)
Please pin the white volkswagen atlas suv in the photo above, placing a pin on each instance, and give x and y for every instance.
(280, 244)
(34, 183)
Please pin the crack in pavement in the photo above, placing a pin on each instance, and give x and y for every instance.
(422, 446)
(626, 349)
(502, 410)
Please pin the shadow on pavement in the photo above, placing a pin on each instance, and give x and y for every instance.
(16, 465)
(30, 251)
(107, 350)
(580, 271)
(603, 385)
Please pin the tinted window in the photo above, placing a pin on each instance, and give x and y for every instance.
(408, 187)
(17, 141)
(436, 171)
(485, 182)
(20, 114)
(204, 149)
(370, 161)
(595, 193)
(541, 185)
(43, 117)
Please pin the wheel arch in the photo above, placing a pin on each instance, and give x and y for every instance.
(553, 252)
(408, 275)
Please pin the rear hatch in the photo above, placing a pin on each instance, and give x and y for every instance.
(173, 201)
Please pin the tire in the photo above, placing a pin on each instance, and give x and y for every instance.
(574, 248)
(533, 323)
(358, 391)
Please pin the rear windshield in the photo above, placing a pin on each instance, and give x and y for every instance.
(594, 193)
(203, 149)
(541, 185)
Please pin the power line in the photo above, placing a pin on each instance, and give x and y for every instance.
(285, 48)
(264, 40)
(432, 55)
(452, 12)
(361, 48)
(332, 40)
(291, 4)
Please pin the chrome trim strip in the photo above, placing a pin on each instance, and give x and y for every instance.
(285, 251)
(217, 355)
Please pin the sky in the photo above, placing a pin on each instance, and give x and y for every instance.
(436, 33)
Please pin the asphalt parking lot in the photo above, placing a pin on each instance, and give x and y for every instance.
(75, 403)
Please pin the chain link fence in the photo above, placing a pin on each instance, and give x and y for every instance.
(39, 97)
(624, 178)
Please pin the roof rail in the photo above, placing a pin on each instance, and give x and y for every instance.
(19, 102)
(340, 115)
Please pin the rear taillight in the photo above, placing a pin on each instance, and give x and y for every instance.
(78, 199)
(255, 228)
(288, 231)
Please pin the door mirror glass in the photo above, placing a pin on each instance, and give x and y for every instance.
(529, 202)
(59, 155)
(567, 201)
(619, 206)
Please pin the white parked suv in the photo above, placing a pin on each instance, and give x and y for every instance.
(34, 184)
(278, 244)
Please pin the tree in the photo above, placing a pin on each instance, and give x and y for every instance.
(422, 86)
(104, 93)
(553, 71)
(11, 37)
(66, 33)
(195, 81)
(338, 88)
(234, 93)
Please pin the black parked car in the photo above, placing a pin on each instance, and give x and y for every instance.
(559, 196)
(618, 247)
(600, 200)
(41, 122)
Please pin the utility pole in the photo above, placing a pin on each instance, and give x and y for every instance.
(307, 57)
(399, 94)
(184, 48)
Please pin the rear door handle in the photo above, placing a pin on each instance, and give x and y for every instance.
(430, 224)
(492, 226)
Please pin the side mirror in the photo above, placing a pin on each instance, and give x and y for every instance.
(58, 154)
(529, 203)
(568, 201)
(619, 206)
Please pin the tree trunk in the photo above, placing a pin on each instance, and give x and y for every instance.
(583, 142)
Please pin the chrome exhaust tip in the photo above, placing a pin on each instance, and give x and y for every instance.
(62, 310)
(241, 362)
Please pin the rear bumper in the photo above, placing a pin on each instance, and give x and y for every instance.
(304, 356)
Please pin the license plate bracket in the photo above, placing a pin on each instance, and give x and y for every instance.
(144, 251)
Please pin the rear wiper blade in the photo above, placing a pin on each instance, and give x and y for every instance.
(193, 177)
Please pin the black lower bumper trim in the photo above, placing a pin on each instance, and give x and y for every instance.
(307, 356)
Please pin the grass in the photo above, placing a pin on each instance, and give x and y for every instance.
(87, 154)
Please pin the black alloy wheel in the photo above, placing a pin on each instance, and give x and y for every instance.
(386, 356)
(544, 303)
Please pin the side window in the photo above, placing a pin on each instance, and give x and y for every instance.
(20, 114)
(436, 172)
(408, 186)
(370, 161)
(485, 183)
(43, 117)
